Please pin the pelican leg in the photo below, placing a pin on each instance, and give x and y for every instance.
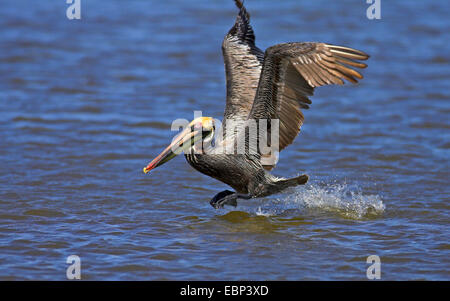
(227, 197)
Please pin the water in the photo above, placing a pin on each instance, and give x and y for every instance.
(85, 105)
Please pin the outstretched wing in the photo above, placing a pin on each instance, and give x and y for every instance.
(289, 75)
(243, 62)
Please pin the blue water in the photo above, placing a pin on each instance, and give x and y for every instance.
(86, 104)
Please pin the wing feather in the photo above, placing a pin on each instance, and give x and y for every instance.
(290, 72)
(243, 63)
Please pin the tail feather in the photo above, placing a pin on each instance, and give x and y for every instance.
(292, 182)
(300, 180)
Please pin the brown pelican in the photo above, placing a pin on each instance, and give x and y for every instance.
(270, 85)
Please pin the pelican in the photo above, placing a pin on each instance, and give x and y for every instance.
(274, 86)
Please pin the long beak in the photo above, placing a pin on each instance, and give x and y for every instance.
(180, 143)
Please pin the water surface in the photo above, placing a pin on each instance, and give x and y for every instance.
(86, 104)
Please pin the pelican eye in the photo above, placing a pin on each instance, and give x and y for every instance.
(206, 132)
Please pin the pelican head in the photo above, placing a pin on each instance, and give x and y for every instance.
(199, 129)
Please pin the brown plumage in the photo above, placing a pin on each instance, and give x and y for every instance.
(271, 85)
(243, 62)
(289, 75)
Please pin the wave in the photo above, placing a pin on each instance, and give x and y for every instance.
(345, 200)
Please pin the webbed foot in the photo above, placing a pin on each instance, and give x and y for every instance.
(225, 197)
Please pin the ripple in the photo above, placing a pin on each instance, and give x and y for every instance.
(128, 268)
(437, 96)
(424, 29)
(150, 124)
(132, 78)
(90, 109)
(53, 245)
(16, 59)
(439, 60)
(164, 257)
(431, 125)
(44, 213)
(41, 120)
(66, 90)
(12, 217)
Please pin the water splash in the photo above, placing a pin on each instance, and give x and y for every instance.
(342, 199)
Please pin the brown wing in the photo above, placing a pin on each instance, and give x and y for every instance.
(243, 62)
(289, 75)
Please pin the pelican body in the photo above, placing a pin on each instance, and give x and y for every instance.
(271, 86)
